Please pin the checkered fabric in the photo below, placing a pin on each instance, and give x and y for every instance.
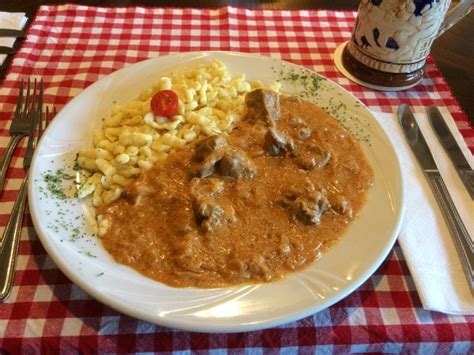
(71, 47)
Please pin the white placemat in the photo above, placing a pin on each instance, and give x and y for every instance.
(424, 238)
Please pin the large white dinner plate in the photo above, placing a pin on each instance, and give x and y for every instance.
(64, 232)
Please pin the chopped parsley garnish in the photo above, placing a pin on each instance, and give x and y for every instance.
(54, 183)
(309, 83)
(76, 166)
(75, 234)
(88, 253)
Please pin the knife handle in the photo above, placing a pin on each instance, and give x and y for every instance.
(467, 176)
(456, 227)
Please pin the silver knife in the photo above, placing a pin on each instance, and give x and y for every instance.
(456, 227)
(6, 32)
(450, 145)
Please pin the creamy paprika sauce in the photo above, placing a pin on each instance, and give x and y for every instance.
(247, 207)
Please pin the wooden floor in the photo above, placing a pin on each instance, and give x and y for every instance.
(453, 51)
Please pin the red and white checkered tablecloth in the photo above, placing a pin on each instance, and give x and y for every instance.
(71, 47)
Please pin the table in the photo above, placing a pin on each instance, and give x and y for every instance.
(451, 52)
(47, 312)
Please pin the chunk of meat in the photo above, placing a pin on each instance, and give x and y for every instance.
(309, 208)
(176, 212)
(341, 206)
(312, 157)
(277, 143)
(304, 133)
(213, 152)
(207, 167)
(186, 250)
(302, 187)
(284, 246)
(296, 257)
(210, 215)
(236, 164)
(258, 267)
(352, 168)
(235, 267)
(301, 130)
(209, 146)
(206, 187)
(263, 105)
(296, 122)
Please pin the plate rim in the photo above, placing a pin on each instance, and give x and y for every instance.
(191, 326)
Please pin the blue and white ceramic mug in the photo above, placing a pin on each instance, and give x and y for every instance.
(392, 38)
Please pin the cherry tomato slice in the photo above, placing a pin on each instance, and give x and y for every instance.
(164, 103)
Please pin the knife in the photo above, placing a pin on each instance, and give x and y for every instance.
(6, 32)
(456, 227)
(450, 145)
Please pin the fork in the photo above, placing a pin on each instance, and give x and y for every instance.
(20, 126)
(12, 233)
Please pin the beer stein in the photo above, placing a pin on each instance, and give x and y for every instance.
(392, 39)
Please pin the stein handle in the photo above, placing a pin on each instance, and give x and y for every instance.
(455, 14)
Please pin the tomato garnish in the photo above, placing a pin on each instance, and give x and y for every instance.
(164, 103)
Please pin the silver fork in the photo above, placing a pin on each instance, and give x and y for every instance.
(20, 126)
(12, 233)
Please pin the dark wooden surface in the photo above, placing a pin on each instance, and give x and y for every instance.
(453, 51)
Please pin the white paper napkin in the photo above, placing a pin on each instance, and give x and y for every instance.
(424, 237)
(14, 21)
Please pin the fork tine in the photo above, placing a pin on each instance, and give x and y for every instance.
(51, 116)
(26, 105)
(40, 122)
(19, 101)
(54, 114)
(48, 118)
(31, 107)
(40, 98)
(40, 108)
(35, 118)
(33, 98)
(31, 110)
(41, 129)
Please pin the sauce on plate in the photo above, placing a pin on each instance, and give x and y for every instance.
(252, 206)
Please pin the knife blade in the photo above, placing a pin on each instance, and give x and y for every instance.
(458, 232)
(6, 32)
(449, 144)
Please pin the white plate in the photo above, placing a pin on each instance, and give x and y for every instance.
(340, 271)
